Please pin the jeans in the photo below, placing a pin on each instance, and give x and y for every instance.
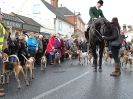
(115, 53)
(51, 57)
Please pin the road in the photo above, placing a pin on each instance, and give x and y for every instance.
(74, 81)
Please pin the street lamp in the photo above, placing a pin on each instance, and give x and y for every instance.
(76, 14)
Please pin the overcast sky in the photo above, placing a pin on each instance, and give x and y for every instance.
(112, 8)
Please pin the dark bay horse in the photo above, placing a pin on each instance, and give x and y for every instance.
(100, 27)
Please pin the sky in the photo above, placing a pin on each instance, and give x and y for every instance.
(111, 8)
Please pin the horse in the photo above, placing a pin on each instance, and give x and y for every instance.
(99, 28)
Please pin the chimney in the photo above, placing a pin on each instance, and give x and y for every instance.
(54, 3)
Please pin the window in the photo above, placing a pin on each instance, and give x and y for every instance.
(60, 26)
(36, 9)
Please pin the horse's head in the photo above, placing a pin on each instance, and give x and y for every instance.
(103, 26)
(106, 29)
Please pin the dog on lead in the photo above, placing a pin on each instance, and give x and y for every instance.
(9, 68)
(89, 58)
(57, 57)
(82, 57)
(43, 62)
(29, 66)
(126, 60)
(107, 55)
(69, 53)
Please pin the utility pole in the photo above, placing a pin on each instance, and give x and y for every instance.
(75, 20)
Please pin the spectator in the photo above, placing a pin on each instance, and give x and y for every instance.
(32, 45)
(12, 44)
(45, 42)
(62, 49)
(22, 49)
(40, 51)
(2, 39)
(50, 48)
(58, 45)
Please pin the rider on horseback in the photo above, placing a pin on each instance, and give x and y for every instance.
(95, 12)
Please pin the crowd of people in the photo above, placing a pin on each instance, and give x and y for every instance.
(36, 45)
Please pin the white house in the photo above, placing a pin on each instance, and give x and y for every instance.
(48, 16)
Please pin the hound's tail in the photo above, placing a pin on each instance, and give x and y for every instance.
(24, 57)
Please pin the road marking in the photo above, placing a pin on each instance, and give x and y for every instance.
(60, 86)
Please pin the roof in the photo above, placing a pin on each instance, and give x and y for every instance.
(65, 11)
(56, 11)
(11, 17)
(27, 20)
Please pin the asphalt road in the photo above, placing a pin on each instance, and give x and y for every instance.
(67, 81)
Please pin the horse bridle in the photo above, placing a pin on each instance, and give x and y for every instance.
(99, 35)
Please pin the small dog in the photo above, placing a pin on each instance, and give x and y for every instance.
(69, 56)
(8, 68)
(126, 59)
(29, 65)
(57, 58)
(43, 62)
(89, 57)
(108, 56)
(83, 57)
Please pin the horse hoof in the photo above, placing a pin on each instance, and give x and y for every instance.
(93, 66)
(100, 70)
(95, 70)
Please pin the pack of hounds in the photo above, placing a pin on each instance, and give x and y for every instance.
(126, 58)
(28, 70)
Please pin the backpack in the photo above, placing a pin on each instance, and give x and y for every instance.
(31, 42)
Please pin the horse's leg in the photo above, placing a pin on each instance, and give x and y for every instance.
(101, 49)
(94, 58)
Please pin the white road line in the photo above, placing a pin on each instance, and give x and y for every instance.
(60, 86)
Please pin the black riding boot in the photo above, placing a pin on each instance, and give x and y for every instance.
(100, 65)
(95, 65)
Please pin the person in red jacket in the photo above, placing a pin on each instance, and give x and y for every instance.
(51, 47)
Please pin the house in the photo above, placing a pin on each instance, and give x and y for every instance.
(75, 19)
(48, 16)
(61, 24)
(12, 21)
(28, 23)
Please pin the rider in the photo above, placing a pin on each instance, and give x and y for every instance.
(95, 12)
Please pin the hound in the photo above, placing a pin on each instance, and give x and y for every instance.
(29, 65)
(15, 67)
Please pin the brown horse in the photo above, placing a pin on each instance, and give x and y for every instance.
(100, 27)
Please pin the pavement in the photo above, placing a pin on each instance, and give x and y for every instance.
(74, 81)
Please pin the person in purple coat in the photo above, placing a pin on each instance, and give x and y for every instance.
(58, 44)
